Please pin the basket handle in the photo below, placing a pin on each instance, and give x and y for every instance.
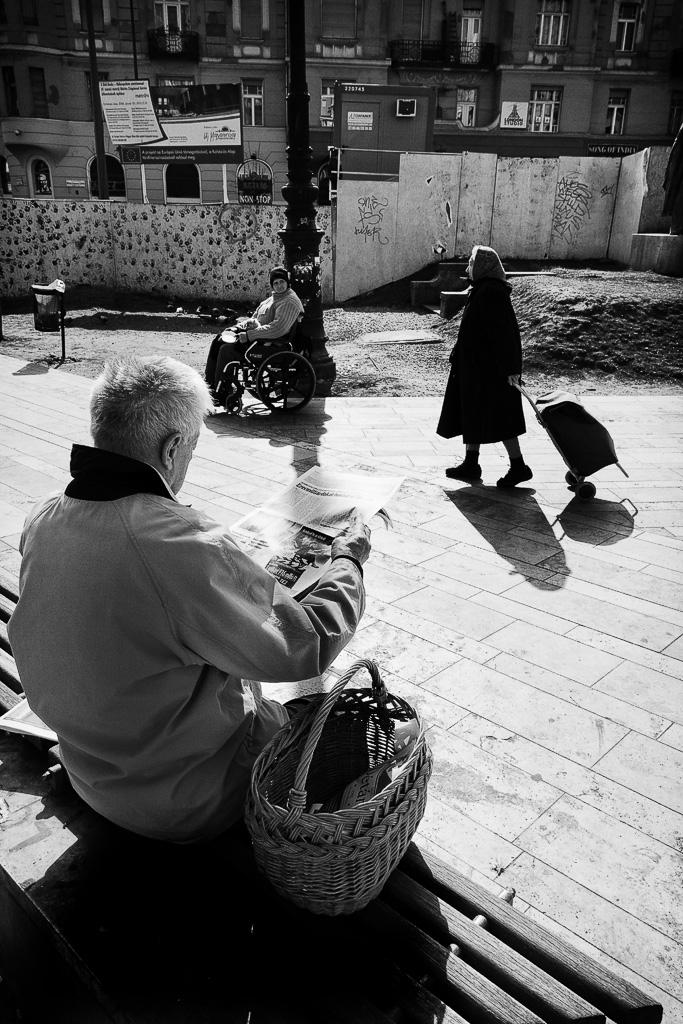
(297, 795)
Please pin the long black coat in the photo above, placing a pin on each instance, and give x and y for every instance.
(479, 403)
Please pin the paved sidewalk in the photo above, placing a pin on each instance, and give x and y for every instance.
(541, 637)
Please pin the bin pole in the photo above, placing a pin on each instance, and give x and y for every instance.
(62, 328)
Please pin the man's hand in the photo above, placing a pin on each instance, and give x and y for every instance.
(353, 541)
(513, 379)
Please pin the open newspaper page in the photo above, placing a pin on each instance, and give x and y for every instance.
(291, 535)
(21, 719)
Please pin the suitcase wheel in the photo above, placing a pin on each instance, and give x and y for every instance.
(586, 491)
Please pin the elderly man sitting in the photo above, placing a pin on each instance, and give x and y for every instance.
(140, 621)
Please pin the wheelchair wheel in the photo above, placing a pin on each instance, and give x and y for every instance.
(285, 382)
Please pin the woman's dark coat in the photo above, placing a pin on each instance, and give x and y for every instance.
(479, 403)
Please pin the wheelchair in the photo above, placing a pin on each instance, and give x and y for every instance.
(276, 373)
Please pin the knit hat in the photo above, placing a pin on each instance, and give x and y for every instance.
(279, 272)
(486, 263)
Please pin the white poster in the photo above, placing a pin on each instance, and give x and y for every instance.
(514, 115)
(129, 113)
(359, 120)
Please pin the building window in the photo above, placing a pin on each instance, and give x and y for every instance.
(29, 12)
(327, 104)
(172, 17)
(116, 179)
(3, 21)
(252, 102)
(675, 112)
(627, 20)
(97, 14)
(470, 35)
(544, 110)
(11, 97)
(38, 92)
(616, 113)
(338, 19)
(168, 96)
(552, 23)
(466, 111)
(182, 183)
(42, 179)
(103, 77)
(251, 21)
(215, 23)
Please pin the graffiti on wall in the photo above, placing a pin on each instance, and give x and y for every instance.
(572, 207)
(370, 219)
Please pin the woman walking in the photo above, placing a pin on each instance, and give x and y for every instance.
(481, 402)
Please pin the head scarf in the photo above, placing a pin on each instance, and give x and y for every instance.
(281, 272)
(486, 263)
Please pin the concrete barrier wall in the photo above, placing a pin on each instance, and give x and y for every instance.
(368, 214)
(566, 208)
(221, 253)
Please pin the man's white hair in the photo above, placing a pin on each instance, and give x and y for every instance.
(138, 401)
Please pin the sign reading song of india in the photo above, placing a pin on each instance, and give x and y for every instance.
(206, 126)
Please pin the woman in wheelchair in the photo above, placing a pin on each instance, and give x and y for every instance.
(271, 322)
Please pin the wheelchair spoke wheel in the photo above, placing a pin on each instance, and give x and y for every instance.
(285, 382)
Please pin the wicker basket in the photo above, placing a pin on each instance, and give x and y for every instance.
(335, 861)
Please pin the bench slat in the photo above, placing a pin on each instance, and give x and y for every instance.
(621, 1001)
(522, 979)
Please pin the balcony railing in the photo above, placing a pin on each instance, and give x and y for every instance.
(450, 54)
(173, 44)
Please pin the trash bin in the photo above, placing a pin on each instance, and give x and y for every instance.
(48, 306)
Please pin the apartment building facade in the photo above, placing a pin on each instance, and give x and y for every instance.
(515, 77)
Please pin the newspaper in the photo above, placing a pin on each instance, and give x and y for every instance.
(291, 535)
(21, 719)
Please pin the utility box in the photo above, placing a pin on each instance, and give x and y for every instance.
(374, 124)
(48, 306)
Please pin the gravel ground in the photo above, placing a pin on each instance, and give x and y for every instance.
(583, 329)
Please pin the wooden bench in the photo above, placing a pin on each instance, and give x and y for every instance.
(100, 926)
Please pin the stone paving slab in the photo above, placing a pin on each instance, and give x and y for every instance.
(541, 637)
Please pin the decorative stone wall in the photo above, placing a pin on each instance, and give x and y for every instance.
(220, 253)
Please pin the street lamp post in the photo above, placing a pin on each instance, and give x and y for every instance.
(301, 237)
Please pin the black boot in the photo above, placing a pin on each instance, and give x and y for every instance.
(467, 470)
(516, 474)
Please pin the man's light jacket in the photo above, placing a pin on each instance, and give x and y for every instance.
(139, 623)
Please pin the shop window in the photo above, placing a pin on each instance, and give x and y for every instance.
(42, 178)
(544, 110)
(5, 180)
(10, 88)
(38, 92)
(552, 23)
(627, 21)
(116, 179)
(466, 110)
(675, 112)
(616, 113)
(252, 102)
(338, 19)
(182, 183)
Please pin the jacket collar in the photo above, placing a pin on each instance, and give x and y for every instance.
(99, 475)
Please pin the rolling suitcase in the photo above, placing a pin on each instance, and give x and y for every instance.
(582, 441)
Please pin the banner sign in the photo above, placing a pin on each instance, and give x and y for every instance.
(610, 149)
(205, 124)
(514, 115)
